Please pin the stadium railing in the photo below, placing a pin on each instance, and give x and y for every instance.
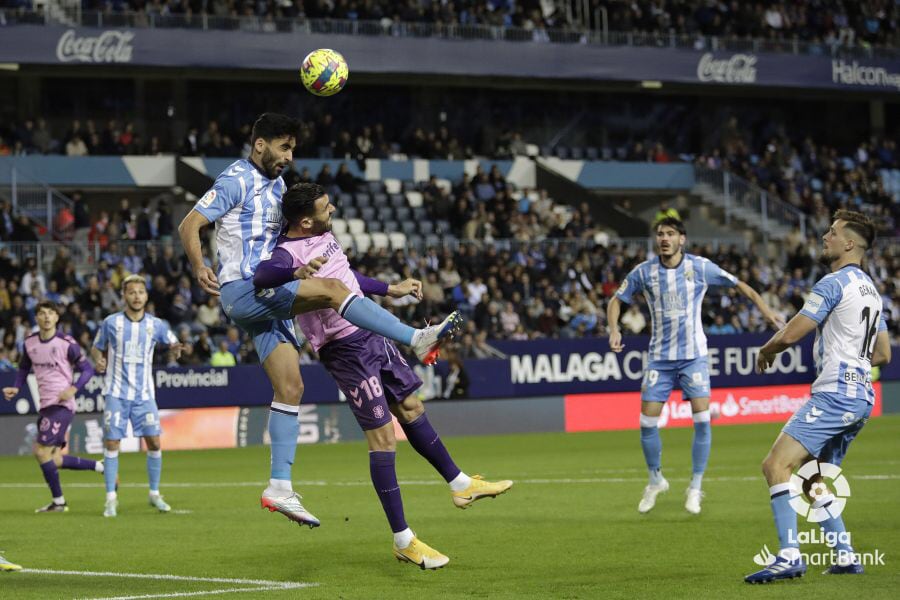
(746, 201)
(74, 16)
(41, 203)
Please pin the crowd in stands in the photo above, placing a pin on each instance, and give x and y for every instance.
(550, 278)
(815, 178)
(829, 22)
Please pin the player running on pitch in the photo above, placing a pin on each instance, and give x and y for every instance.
(845, 310)
(245, 204)
(674, 284)
(54, 357)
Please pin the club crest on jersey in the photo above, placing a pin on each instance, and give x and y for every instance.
(689, 274)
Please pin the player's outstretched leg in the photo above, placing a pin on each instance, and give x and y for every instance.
(464, 490)
(699, 458)
(786, 455)
(652, 447)
(110, 478)
(282, 367)
(76, 463)
(315, 294)
(6, 566)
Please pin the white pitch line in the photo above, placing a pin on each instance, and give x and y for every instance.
(428, 482)
(183, 594)
(166, 577)
(258, 585)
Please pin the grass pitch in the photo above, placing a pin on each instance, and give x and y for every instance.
(569, 528)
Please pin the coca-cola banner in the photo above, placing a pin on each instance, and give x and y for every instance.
(34, 44)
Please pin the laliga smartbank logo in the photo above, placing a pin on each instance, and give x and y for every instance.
(825, 505)
(817, 477)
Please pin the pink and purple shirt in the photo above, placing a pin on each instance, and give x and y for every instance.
(54, 362)
(326, 325)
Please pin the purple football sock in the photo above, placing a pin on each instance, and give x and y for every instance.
(384, 478)
(51, 476)
(427, 442)
(78, 463)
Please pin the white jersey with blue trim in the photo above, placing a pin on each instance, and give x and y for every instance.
(246, 207)
(849, 312)
(675, 299)
(129, 365)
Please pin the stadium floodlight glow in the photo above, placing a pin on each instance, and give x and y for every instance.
(651, 85)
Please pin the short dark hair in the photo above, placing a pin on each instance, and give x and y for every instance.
(50, 304)
(300, 201)
(676, 224)
(273, 125)
(858, 223)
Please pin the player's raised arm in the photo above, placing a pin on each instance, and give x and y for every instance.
(189, 231)
(774, 321)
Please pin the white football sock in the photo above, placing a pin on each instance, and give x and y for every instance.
(111, 495)
(404, 538)
(460, 482)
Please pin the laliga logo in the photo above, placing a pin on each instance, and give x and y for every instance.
(108, 47)
(825, 505)
(740, 68)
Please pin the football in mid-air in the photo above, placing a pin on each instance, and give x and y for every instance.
(324, 72)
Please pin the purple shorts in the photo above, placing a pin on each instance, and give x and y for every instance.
(371, 372)
(53, 424)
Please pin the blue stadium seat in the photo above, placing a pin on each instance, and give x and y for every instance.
(442, 226)
(409, 186)
(419, 213)
(592, 153)
(408, 227)
(415, 241)
(349, 212)
(577, 153)
(426, 227)
(385, 213)
(432, 240)
(345, 200)
(380, 200)
(375, 187)
(373, 226)
(398, 200)
(562, 152)
(367, 214)
(362, 199)
(390, 226)
(402, 213)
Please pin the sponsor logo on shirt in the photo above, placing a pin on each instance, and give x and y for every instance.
(813, 303)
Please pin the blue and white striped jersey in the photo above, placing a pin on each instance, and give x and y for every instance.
(246, 207)
(848, 308)
(675, 299)
(129, 365)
